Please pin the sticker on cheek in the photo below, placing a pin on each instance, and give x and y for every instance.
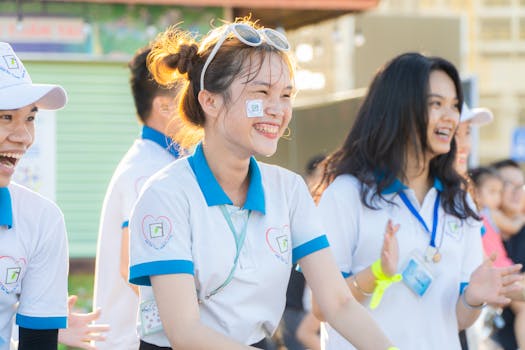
(254, 108)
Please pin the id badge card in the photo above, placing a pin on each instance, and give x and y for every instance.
(416, 275)
(149, 318)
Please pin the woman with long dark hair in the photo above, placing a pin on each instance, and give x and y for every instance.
(425, 276)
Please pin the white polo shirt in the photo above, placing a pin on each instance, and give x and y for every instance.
(356, 235)
(118, 301)
(33, 262)
(177, 227)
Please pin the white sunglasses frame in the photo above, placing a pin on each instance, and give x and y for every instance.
(232, 29)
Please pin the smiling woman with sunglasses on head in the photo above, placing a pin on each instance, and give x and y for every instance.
(216, 233)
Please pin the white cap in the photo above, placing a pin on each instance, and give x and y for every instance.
(477, 116)
(17, 90)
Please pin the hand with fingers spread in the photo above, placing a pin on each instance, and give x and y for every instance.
(390, 250)
(491, 285)
(80, 332)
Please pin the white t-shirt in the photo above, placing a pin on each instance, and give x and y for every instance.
(356, 237)
(118, 301)
(33, 262)
(177, 226)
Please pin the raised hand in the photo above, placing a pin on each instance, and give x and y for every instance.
(80, 332)
(491, 285)
(390, 250)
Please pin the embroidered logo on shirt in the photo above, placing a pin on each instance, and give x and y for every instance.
(11, 62)
(156, 231)
(11, 270)
(278, 240)
(453, 227)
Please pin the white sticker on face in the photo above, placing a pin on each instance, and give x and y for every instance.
(254, 108)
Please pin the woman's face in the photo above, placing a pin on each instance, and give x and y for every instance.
(17, 132)
(260, 108)
(464, 143)
(443, 113)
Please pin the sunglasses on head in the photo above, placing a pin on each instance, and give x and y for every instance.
(249, 36)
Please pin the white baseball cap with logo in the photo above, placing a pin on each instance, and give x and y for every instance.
(476, 116)
(17, 90)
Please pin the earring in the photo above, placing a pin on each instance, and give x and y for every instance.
(287, 134)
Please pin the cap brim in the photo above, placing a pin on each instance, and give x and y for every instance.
(44, 96)
(481, 116)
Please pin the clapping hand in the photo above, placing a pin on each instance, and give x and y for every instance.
(80, 331)
(390, 250)
(492, 285)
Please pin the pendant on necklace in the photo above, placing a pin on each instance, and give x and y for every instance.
(432, 254)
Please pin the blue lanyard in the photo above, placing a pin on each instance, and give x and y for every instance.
(415, 213)
(239, 242)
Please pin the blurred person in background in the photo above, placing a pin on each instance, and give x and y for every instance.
(469, 118)
(156, 109)
(510, 222)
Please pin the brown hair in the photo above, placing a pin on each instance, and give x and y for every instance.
(177, 57)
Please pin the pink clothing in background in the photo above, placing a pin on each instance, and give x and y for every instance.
(492, 243)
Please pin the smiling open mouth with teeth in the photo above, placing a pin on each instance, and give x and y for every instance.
(443, 132)
(9, 159)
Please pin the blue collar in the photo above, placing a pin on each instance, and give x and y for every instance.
(398, 186)
(6, 210)
(212, 191)
(162, 140)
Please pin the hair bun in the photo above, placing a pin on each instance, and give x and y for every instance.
(184, 59)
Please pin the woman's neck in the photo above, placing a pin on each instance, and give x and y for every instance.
(230, 170)
(417, 178)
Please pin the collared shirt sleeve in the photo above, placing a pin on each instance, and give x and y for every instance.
(43, 299)
(160, 234)
(339, 208)
(305, 223)
(129, 187)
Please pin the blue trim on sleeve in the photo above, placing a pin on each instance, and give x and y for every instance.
(462, 287)
(346, 274)
(309, 247)
(32, 322)
(125, 224)
(139, 274)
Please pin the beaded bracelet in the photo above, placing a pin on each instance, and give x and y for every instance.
(467, 305)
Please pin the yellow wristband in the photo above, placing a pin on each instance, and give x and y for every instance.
(393, 348)
(382, 283)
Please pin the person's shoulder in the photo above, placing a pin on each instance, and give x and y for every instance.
(275, 170)
(344, 183)
(174, 175)
(32, 201)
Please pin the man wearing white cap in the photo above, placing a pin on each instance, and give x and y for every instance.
(33, 241)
